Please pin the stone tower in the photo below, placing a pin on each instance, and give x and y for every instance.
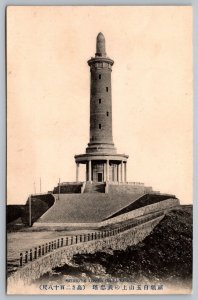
(101, 138)
(102, 161)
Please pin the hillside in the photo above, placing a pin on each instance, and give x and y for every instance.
(164, 256)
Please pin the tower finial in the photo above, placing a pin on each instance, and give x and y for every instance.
(100, 45)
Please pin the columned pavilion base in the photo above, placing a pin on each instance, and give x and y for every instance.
(103, 167)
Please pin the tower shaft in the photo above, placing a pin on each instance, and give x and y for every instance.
(101, 139)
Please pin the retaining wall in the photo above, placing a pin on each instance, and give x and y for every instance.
(125, 188)
(59, 257)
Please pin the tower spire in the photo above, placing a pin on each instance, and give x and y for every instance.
(100, 45)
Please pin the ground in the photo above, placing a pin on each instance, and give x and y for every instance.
(163, 256)
(20, 241)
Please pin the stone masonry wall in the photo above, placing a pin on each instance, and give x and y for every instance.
(126, 188)
(62, 256)
(165, 204)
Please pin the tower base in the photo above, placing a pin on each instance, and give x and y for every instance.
(103, 167)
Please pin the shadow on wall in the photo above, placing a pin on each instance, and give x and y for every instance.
(17, 216)
(145, 200)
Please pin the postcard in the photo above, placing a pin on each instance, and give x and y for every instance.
(99, 150)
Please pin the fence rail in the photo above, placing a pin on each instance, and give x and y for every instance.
(41, 250)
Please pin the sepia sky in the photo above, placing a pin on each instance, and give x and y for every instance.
(48, 93)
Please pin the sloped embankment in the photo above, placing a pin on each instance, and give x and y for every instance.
(165, 255)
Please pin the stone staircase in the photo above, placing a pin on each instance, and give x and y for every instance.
(94, 187)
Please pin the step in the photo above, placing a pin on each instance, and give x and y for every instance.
(94, 188)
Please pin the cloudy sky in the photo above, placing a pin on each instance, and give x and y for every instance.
(48, 93)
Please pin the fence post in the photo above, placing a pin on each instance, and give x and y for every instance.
(21, 259)
(49, 249)
(46, 247)
(92, 236)
(39, 251)
(35, 253)
(85, 237)
(66, 241)
(88, 237)
(30, 254)
(76, 239)
(52, 243)
(55, 244)
(58, 244)
(71, 240)
(80, 238)
(26, 257)
(61, 242)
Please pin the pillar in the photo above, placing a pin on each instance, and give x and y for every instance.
(77, 171)
(89, 170)
(122, 171)
(107, 170)
(125, 172)
(118, 173)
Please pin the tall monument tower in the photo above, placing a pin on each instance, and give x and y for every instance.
(101, 159)
(101, 139)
